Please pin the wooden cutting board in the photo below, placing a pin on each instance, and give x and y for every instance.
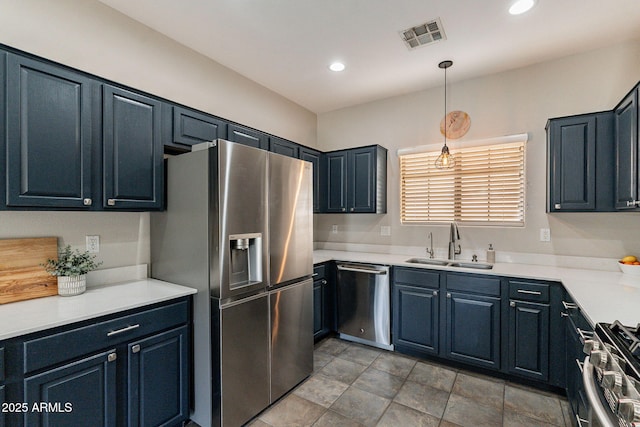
(21, 275)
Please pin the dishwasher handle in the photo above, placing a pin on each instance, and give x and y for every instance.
(363, 269)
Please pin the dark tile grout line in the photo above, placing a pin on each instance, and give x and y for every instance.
(405, 379)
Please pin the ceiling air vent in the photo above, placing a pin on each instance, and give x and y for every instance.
(427, 33)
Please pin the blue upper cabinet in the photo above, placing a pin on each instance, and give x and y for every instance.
(247, 136)
(356, 180)
(314, 157)
(192, 127)
(284, 147)
(132, 150)
(580, 163)
(627, 129)
(49, 136)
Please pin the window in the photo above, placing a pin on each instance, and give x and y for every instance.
(486, 187)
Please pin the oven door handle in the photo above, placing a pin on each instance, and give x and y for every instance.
(597, 408)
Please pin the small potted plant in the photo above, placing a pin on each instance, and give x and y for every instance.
(71, 268)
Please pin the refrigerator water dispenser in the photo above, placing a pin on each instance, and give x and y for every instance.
(245, 257)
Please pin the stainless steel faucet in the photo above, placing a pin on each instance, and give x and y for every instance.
(454, 236)
(430, 251)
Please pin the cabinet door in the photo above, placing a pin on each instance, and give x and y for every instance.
(158, 393)
(191, 127)
(49, 135)
(572, 166)
(362, 180)
(415, 319)
(336, 166)
(284, 147)
(132, 150)
(626, 130)
(473, 329)
(246, 136)
(313, 156)
(529, 339)
(318, 307)
(76, 394)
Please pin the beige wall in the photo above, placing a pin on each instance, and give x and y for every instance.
(89, 36)
(502, 104)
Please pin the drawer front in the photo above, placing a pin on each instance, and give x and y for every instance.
(472, 283)
(63, 346)
(416, 277)
(528, 291)
(319, 271)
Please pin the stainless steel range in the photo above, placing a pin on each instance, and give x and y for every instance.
(611, 375)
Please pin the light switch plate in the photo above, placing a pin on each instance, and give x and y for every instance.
(334, 229)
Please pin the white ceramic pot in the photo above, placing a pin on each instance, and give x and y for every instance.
(72, 285)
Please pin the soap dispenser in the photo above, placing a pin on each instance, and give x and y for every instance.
(491, 254)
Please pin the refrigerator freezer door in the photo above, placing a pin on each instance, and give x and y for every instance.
(290, 219)
(244, 346)
(291, 336)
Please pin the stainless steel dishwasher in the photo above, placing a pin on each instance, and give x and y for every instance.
(364, 304)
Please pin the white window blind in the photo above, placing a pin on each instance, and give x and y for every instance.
(486, 187)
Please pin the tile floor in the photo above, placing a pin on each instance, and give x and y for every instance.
(355, 385)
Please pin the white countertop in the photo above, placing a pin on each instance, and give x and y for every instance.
(604, 296)
(24, 317)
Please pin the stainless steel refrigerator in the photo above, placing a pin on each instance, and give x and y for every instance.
(238, 227)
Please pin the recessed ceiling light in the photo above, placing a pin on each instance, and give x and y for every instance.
(521, 6)
(336, 66)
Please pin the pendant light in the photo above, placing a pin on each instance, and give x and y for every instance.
(445, 160)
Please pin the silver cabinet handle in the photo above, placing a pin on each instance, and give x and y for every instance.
(112, 357)
(111, 202)
(352, 209)
(512, 303)
(435, 293)
(524, 291)
(324, 282)
(580, 365)
(448, 295)
(87, 202)
(120, 331)
(315, 274)
(581, 421)
(563, 314)
(584, 335)
(135, 348)
(569, 305)
(344, 209)
(557, 206)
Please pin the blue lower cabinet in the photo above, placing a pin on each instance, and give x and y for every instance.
(529, 339)
(473, 329)
(415, 319)
(81, 393)
(159, 379)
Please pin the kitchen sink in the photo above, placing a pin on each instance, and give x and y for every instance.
(445, 263)
(427, 261)
(475, 265)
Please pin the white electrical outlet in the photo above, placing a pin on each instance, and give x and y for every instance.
(545, 235)
(334, 229)
(385, 230)
(93, 244)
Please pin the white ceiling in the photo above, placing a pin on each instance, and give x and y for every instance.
(287, 45)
